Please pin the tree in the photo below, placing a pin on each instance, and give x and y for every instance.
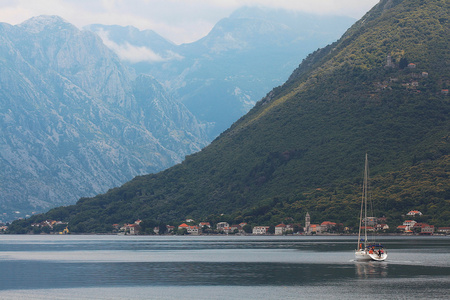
(162, 228)
(247, 228)
(182, 231)
(403, 63)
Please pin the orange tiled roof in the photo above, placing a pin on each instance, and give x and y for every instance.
(328, 223)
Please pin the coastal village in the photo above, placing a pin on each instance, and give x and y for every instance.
(191, 227)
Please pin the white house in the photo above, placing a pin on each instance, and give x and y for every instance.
(414, 213)
(409, 224)
(280, 229)
(222, 225)
(204, 224)
(260, 229)
(382, 227)
(192, 230)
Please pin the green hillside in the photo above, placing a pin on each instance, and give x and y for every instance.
(302, 147)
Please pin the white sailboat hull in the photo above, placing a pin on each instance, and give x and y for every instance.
(366, 256)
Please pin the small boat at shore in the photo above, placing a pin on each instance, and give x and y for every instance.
(367, 250)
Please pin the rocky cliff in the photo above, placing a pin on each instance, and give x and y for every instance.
(74, 121)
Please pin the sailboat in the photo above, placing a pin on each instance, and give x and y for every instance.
(367, 250)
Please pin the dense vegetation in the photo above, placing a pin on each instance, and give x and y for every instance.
(302, 147)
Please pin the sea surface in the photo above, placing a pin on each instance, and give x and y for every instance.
(220, 267)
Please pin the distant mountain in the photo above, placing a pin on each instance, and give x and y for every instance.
(382, 89)
(74, 121)
(221, 76)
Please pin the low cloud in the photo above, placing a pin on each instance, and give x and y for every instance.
(135, 54)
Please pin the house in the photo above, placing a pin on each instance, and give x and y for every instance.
(427, 229)
(401, 228)
(204, 224)
(237, 228)
(444, 92)
(368, 228)
(417, 227)
(445, 230)
(260, 229)
(411, 66)
(315, 228)
(409, 224)
(189, 221)
(133, 229)
(183, 226)
(170, 228)
(156, 230)
(194, 230)
(280, 229)
(221, 225)
(414, 213)
(379, 227)
(327, 226)
(424, 74)
(227, 230)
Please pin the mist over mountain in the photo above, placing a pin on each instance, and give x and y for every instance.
(221, 76)
(381, 89)
(75, 121)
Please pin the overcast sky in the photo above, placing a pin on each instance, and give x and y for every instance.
(180, 21)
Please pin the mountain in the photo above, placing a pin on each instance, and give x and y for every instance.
(75, 121)
(381, 89)
(221, 76)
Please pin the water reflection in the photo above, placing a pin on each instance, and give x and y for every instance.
(371, 269)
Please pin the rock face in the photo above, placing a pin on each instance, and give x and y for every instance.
(74, 121)
(220, 77)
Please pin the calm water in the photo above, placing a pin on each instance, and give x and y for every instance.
(127, 267)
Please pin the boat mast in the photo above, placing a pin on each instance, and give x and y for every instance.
(362, 208)
(366, 179)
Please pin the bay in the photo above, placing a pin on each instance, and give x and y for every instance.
(220, 267)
